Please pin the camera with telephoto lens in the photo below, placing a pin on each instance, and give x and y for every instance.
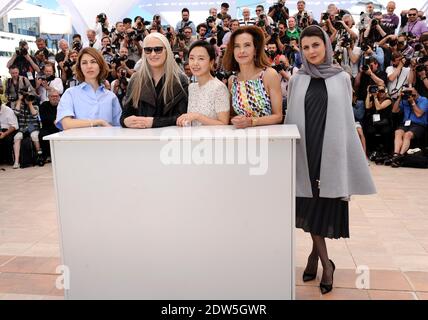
(102, 17)
(366, 64)
(420, 68)
(422, 60)
(117, 60)
(364, 47)
(44, 78)
(177, 57)
(374, 22)
(69, 64)
(406, 94)
(213, 41)
(325, 16)
(278, 6)
(77, 45)
(21, 52)
(223, 75)
(210, 20)
(373, 89)
(407, 63)
(346, 40)
(28, 95)
(279, 67)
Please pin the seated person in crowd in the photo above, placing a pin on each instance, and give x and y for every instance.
(89, 104)
(158, 92)
(48, 82)
(414, 125)
(256, 92)
(378, 121)
(15, 85)
(8, 127)
(47, 112)
(369, 74)
(29, 124)
(209, 99)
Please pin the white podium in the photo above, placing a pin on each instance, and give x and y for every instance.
(177, 213)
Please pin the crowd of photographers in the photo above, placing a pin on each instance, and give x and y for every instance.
(385, 54)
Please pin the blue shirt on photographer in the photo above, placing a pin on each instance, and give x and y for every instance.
(407, 109)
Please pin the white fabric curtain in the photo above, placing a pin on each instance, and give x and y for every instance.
(7, 5)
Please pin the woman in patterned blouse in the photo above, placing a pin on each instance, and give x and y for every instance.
(255, 90)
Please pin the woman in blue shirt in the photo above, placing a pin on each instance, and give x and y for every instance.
(89, 104)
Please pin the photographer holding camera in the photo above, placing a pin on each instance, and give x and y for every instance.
(93, 41)
(418, 75)
(117, 34)
(261, 15)
(132, 41)
(414, 125)
(8, 127)
(351, 55)
(415, 25)
(374, 31)
(26, 64)
(101, 26)
(122, 60)
(67, 74)
(397, 74)
(378, 122)
(107, 50)
(280, 63)
(304, 18)
(120, 85)
(63, 54)
(185, 22)
(370, 74)
(279, 12)
(223, 29)
(292, 52)
(16, 84)
(48, 82)
(29, 124)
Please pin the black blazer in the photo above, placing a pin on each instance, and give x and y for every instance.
(151, 105)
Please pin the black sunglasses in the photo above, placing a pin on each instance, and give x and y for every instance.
(149, 50)
(411, 14)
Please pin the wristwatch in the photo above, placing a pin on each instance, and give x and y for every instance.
(254, 121)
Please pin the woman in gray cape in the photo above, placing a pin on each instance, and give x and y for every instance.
(331, 165)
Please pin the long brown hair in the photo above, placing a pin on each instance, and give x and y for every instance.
(260, 61)
(104, 69)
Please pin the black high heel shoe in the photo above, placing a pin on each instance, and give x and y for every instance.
(309, 276)
(326, 288)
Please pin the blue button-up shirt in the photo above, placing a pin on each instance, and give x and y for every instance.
(407, 109)
(82, 102)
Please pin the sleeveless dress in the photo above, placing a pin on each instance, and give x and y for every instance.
(250, 98)
(324, 217)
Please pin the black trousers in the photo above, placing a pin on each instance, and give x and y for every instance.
(45, 145)
(6, 148)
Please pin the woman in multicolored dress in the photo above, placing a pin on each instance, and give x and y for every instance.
(255, 90)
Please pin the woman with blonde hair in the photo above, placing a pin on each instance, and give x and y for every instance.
(157, 93)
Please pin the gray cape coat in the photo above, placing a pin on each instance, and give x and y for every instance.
(344, 168)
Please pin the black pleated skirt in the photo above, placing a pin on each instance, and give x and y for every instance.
(324, 217)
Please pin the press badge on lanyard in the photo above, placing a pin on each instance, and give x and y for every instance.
(30, 76)
(376, 117)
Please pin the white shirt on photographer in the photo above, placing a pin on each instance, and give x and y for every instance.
(397, 84)
(55, 84)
